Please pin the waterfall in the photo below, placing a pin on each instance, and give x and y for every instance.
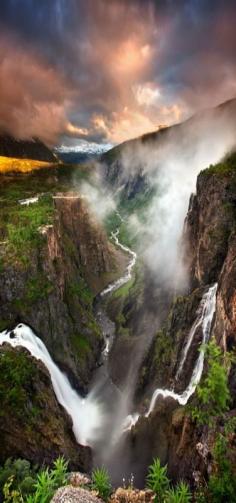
(86, 413)
(203, 313)
(128, 273)
(204, 319)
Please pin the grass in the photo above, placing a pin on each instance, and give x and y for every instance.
(81, 345)
(225, 167)
(11, 164)
(124, 290)
(37, 288)
(80, 289)
(19, 228)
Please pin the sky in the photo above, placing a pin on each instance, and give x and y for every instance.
(104, 71)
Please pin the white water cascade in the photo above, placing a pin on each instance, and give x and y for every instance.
(204, 320)
(86, 413)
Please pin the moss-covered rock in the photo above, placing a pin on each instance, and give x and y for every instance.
(32, 423)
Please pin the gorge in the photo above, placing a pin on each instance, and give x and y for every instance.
(118, 308)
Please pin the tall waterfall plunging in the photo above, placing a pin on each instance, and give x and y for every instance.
(102, 417)
(86, 413)
(204, 320)
(90, 414)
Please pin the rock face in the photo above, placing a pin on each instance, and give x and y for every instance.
(67, 263)
(32, 423)
(211, 242)
(100, 261)
(210, 239)
(25, 149)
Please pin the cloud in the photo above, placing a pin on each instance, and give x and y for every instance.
(171, 164)
(125, 63)
(147, 94)
(34, 96)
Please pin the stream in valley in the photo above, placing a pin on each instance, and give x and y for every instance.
(104, 416)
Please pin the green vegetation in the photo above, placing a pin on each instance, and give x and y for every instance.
(158, 481)
(20, 483)
(48, 481)
(225, 167)
(80, 289)
(23, 228)
(180, 494)
(81, 345)
(101, 483)
(37, 288)
(222, 482)
(17, 477)
(212, 393)
(16, 370)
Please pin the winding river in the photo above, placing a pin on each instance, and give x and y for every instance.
(103, 416)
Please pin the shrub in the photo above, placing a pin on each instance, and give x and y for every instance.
(48, 481)
(222, 482)
(212, 393)
(17, 475)
(11, 495)
(101, 482)
(157, 479)
(180, 494)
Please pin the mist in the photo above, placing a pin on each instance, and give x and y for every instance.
(171, 166)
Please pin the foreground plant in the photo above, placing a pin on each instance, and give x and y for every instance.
(157, 479)
(180, 494)
(48, 481)
(101, 482)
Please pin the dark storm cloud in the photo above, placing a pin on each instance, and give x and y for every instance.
(124, 65)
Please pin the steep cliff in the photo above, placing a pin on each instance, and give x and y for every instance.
(32, 423)
(54, 260)
(210, 254)
(211, 242)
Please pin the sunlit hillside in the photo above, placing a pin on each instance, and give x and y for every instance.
(11, 164)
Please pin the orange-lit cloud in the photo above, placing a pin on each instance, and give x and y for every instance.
(111, 70)
(130, 123)
(75, 130)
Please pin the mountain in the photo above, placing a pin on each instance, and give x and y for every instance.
(25, 149)
(24, 155)
(81, 153)
(127, 165)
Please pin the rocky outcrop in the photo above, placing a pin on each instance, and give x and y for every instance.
(33, 425)
(70, 494)
(100, 261)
